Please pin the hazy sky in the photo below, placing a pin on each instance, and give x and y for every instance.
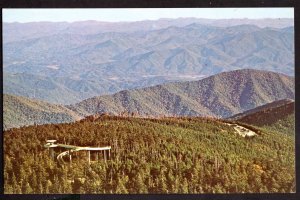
(113, 15)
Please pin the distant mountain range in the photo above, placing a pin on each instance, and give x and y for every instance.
(221, 95)
(85, 59)
(20, 31)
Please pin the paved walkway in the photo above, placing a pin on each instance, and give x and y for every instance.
(242, 131)
(72, 148)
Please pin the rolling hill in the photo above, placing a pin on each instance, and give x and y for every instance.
(20, 111)
(221, 95)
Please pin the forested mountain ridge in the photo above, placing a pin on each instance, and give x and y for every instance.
(221, 95)
(83, 65)
(20, 111)
(169, 155)
(283, 107)
(276, 116)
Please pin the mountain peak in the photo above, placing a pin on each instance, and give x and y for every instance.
(221, 95)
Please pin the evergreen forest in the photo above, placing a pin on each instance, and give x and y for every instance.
(166, 155)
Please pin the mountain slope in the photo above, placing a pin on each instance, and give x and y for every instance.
(285, 125)
(221, 95)
(19, 111)
(276, 116)
(286, 106)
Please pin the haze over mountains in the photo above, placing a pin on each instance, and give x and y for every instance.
(69, 62)
(221, 95)
(20, 31)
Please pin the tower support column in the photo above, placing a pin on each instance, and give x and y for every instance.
(70, 156)
(89, 157)
(51, 153)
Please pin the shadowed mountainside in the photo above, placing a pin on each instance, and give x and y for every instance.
(276, 116)
(20, 111)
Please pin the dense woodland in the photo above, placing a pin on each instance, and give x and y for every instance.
(168, 155)
(284, 125)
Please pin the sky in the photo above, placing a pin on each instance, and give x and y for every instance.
(134, 14)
